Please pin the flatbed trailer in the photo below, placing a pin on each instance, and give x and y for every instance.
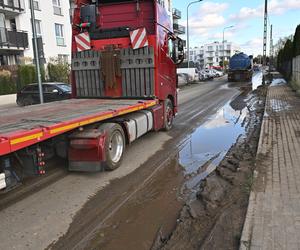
(21, 127)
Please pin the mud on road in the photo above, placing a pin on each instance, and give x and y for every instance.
(195, 189)
(213, 218)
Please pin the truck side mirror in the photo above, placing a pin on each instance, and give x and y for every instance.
(180, 51)
(180, 45)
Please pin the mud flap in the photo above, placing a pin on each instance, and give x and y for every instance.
(86, 151)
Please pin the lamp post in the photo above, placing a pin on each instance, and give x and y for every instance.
(187, 30)
(36, 52)
(223, 43)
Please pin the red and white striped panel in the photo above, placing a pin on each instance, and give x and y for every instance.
(139, 38)
(83, 41)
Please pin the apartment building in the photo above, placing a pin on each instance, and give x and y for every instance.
(52, 21)
(212, 54)
(177, 28)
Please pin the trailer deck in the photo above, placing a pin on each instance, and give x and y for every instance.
(21, 127)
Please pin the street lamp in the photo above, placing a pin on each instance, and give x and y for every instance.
(36, 52)
(228, 27)
(187, 30)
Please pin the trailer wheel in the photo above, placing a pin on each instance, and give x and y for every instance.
(169, 115)
(114, 147)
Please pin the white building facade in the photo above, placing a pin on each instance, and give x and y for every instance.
(210, 55)
(52, 20)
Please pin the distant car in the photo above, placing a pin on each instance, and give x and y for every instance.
(182, 79)
(203, 76)
(52, 91)
(209, 73)
(217, 72)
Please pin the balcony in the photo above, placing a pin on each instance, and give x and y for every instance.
(176, 13)
(11, 8)
(11, 39)
(178, 29)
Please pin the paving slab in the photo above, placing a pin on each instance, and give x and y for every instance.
(272, 220)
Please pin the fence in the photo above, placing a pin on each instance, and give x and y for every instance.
(296, 72)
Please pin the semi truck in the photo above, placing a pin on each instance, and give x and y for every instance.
(123, 77)
(240, 68)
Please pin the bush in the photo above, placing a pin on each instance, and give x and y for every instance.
(296, 42)
(7, 85)
(58, 71)
(26, 74)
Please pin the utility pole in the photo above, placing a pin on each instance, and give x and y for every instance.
(265, 34)
(36, 52)
(271, 47)
(223, 44)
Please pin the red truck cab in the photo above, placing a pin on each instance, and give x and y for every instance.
(125, 72)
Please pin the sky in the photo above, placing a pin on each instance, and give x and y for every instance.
(208, 18)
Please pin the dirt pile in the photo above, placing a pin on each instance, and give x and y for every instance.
(214, 219)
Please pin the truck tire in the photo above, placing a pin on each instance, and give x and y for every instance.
(114, 146)
(168, 114)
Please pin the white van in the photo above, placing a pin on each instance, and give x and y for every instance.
(192, 73)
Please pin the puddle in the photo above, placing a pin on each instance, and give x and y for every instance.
(206, 147)
(278, 82)
(257, 80)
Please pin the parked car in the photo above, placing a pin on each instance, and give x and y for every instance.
(217, 73)
(52, 91)
(209, 73)
(203, 76)
(192, 72)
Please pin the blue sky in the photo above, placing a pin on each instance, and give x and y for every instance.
(208, 18)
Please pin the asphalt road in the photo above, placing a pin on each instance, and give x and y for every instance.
(43, 217)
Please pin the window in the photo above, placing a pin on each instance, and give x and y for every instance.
(57, 7)
(31, 88)
(38, 27)
(63, 58)
(36, 4)
(2, 29)
(60, 41)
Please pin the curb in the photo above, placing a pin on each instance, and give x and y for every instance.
(245, 240)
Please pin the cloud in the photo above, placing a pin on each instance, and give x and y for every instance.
(275, 7)
(207, 17)
(253, 46)
(245, 13)
(211, 7)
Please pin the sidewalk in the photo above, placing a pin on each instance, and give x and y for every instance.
(273, 216)
(7, 99)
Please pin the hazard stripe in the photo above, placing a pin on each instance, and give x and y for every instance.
(82, 44)
(142, 41)
(134, 33)
(26, 138)
(137, 37)
(85, 39)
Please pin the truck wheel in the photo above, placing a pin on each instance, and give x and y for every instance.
(114, 147)
(169, 115)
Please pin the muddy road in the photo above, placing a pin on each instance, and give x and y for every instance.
(133, 206)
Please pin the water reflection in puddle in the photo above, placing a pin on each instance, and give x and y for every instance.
(206, 147)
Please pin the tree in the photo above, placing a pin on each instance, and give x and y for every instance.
(58, 70)
(296, 42)
(288, 50)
